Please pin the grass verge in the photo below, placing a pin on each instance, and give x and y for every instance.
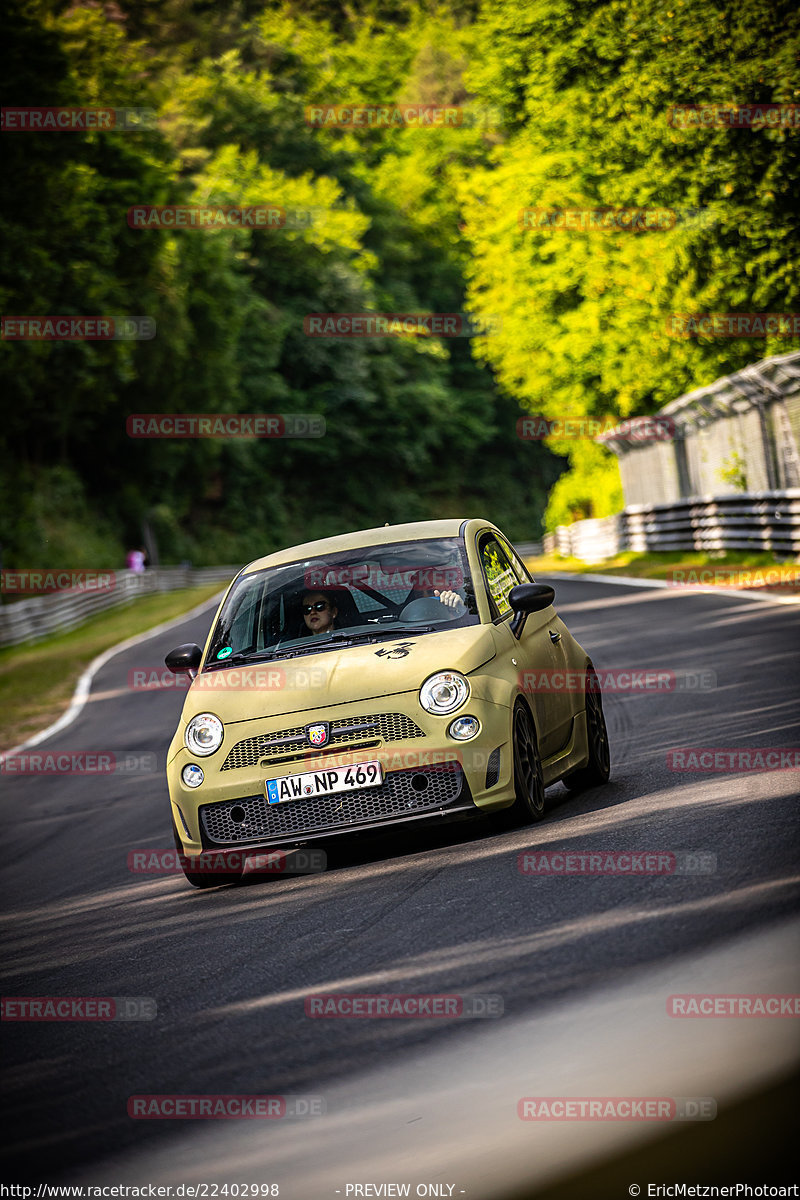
(665, 565)
(37, 680)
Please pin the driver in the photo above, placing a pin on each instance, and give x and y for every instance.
(446, 597)
(319, 612)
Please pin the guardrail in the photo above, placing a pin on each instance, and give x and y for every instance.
(764, 522)
(528, 549)
(38, 617)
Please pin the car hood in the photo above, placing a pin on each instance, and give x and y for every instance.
(341, 676)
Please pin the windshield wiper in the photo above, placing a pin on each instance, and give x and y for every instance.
(236, 660)
(320, 644)
(317, 645)
(380, 631)
(384, 631)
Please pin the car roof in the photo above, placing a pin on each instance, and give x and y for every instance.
(381, 535)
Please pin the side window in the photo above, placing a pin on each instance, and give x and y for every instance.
(242, 634)
(500, 575)
(517, 565)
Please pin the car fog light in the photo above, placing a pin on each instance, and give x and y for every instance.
(464, 728)
(192, 775)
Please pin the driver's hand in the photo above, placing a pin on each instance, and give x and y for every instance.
(449, 599)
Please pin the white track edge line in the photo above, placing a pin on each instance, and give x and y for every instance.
(678, 589)
(84, 684)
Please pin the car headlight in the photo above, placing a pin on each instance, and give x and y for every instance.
(203, 734)
(443, 693)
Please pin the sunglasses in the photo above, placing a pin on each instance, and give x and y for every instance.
(320, 606)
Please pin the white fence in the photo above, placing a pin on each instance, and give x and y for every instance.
(741, 431)
(39, 616)
(763, 522)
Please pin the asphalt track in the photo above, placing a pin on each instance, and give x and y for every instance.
(426, 912)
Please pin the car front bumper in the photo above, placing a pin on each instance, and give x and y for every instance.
(427, 774)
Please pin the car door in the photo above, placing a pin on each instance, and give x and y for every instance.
(538, 656)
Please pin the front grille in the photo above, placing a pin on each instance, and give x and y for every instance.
(290, 745)
(311, 753)
(397, 796)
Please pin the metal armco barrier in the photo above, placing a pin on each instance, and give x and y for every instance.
(38, 617)
(764, 522)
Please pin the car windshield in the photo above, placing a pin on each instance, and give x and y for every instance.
(372, 593)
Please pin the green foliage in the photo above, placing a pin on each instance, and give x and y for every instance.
(734, 472)
(406, 220)
(45, 518)
(586, 88)
(415, 426)
(592, 488)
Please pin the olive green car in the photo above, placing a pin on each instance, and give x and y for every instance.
(408, 673)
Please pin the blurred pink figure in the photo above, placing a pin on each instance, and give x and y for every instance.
(135, 561)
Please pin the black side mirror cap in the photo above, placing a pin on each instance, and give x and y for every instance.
(531, 597)
(528, 598)
(185, 659)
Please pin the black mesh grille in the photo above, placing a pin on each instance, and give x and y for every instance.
(290, 745)
(401, 794)
(493, 768)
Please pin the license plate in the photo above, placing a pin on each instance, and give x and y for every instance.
(324, 783)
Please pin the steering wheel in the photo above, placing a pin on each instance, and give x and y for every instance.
(426, 608)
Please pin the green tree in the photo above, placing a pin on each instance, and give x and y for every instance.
(586, 89)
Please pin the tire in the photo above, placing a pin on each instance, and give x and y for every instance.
(528, 808)
(204, 879)
(598, 768)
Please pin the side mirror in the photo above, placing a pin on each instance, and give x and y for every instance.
(184, 660)
(528, 598)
